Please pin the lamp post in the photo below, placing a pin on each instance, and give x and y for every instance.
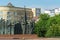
(27, 27)
(25, 21)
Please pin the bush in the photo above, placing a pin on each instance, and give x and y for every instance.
(48, 26)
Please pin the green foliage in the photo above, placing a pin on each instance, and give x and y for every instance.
(42, 25)
(48, 26)
(54, 31)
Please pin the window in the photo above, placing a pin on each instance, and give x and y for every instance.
(37, 14)
(15, 13)
(9, 17)
(9, 13)
(38, 10)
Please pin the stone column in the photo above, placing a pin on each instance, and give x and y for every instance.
(5, 27)
(2, 30)
(12, 30)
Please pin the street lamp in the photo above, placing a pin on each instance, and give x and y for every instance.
(25, 21)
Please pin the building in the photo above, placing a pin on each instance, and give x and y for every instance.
(14, 12)
(36, 12)
(57, 11)
(13, 15)
(53, 12)
(50, 12)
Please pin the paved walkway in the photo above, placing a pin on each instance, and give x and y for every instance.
(35, 39)
(24, 37)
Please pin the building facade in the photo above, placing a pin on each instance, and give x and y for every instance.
(53, 12)
(57, 11)
(50, 12)
(11, 15)
(36, 12)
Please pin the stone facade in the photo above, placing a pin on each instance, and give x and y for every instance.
(11, 15)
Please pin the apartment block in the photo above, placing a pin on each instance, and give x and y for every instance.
(53, 12)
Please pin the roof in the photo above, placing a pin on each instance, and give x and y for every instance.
(9, 5)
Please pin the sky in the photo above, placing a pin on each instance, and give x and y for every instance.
(45, 4)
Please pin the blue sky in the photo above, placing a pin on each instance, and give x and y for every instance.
(46, 4)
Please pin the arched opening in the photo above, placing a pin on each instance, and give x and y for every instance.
(18, 28)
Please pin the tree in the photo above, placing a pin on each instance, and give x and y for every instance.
(48, 26)
(54, 30)
(42, 25)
